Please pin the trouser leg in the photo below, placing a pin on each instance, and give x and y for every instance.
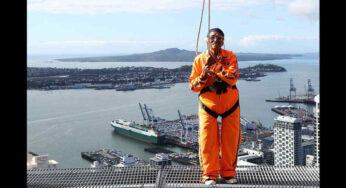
(208, 144)
(230, 141)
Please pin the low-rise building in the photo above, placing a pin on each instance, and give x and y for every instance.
(308, 148)
(251, 159)
(39, 161)
(310, 160)
(160, 159)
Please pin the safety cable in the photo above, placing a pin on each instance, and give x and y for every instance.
(200, 23)
(208, 26)
(199, 29)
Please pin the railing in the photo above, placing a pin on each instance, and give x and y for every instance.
(170, 176)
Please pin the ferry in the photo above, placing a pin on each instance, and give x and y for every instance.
(137, 131)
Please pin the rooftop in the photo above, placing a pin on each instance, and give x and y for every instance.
(317, 98)
(288, 119)
(170, 176)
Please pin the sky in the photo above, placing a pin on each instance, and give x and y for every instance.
(141, 26)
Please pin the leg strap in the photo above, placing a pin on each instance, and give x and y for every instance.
(211, 112)
(231, 110)
(223, 115)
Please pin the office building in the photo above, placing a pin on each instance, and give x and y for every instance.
(287, 141)
(317, 130)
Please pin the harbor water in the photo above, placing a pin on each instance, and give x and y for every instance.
(64, 123)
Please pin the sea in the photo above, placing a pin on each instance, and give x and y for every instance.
(64, 123)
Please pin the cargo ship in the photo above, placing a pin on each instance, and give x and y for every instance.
(137, 131)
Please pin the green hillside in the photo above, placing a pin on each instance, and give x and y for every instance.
(173, 54)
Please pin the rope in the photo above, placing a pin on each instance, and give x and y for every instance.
(199, 29)
(200, 23)
(208, 25)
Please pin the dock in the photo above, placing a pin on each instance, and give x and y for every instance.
(100, 157)
(308, 98)
(109, 157)
(291, 111)
(185, 159)
(298, 99)
(158, 150)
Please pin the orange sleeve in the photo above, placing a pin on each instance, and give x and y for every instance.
(228, 72)
(196, 84)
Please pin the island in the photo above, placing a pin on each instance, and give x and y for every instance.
(174, 55)
(125, 78)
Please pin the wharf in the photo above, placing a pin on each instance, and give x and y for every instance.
(152, 86)
(100, 157)
(186, 159)
(298, 99)
(158, 150)
(176, 142)
(109, 157)
(291, 111)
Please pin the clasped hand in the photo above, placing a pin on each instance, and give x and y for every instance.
(210, 61)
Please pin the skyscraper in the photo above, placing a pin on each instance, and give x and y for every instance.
(287, 141)
(317, 130)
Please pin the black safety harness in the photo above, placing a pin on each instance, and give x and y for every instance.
(221, 87)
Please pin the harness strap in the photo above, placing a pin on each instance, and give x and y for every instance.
(223, 115)
(221, 87)
(231, 110)
(211, 112)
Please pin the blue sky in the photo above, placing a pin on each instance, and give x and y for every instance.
(138, 26)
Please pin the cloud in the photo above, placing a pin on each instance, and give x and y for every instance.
(134, 6)
(102, 46)
(95, 43)
(109, 6)
(305, 9)
(253, 40)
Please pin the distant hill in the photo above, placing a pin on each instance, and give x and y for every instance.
(313, 54)
(174, 54)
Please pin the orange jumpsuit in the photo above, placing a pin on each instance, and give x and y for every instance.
(209, 139)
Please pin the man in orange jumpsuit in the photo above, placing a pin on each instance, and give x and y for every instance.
(214, 75)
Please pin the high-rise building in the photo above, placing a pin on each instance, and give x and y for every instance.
(287, 141)
(317, 131)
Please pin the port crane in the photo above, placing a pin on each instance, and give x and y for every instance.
(186, 128)
(143, 114)
(154, 119)
(292, 89)
(182, 128)
(310, 94)
(150, 119)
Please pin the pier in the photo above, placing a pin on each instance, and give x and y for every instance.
(158, 150)
(299, 99)
(291, 111)
(110, 157)
(186, 159)
(308, 98)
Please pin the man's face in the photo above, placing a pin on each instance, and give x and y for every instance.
(216, 40)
